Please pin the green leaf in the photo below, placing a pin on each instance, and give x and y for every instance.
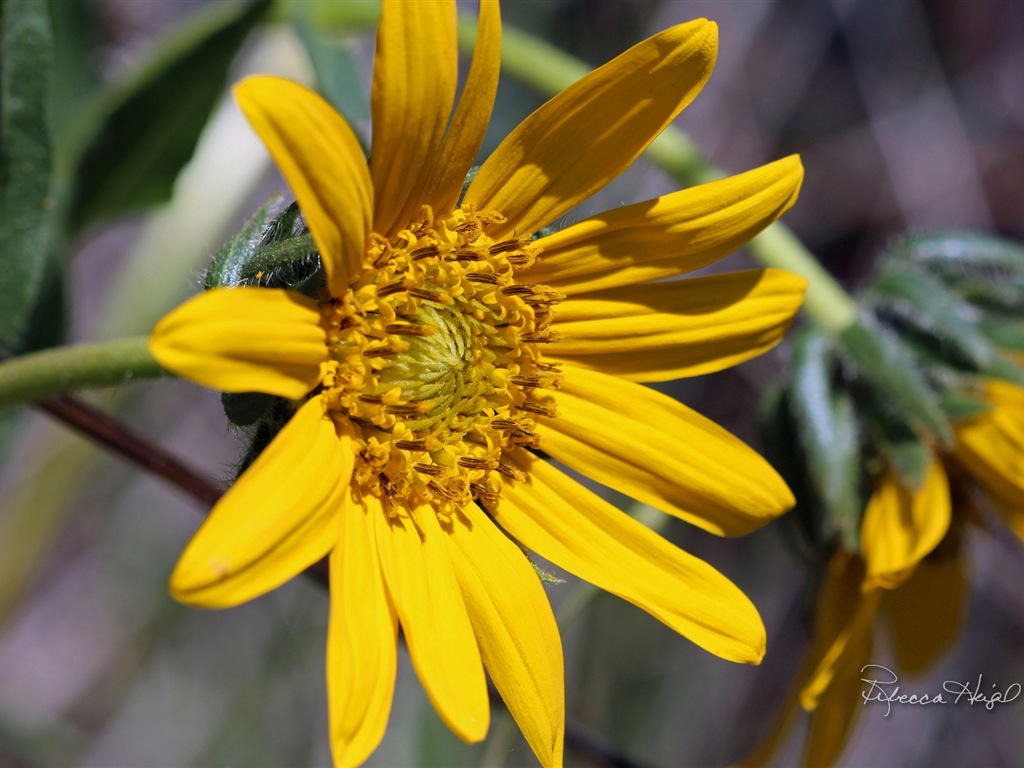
(827, 428)
(77, 39)
(891, 378)
(147, 127)
(960, 406)
(26, 68)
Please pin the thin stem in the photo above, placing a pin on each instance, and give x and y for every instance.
(39, 375)
(551, 70)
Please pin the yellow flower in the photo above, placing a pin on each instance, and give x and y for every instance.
(908, 576)
(448, 345)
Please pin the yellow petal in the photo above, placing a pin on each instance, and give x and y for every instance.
(562, 521)
(593, 130)
(320, 158)
(469, 123)
(991, 446)
(836, 715)
(926, 614)
(844, 617)
(669, 235)
(421, 580)
(515, 628)
(279, 517)
(244, 340)
(676, 328)
(361, 642)
(415, 72)
(901, 526)
(655, 449)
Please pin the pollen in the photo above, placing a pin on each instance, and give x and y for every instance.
(436, 363)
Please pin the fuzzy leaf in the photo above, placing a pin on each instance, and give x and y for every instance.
(891, 378)
(827, 429)
(146, 128)
(957, 256)
(26, 69)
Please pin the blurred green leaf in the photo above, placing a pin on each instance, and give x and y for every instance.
(959, 405)
(891, 378)
(76, 35)
(26, 69)
(1004, 331)
(827, 429)
(148, 126)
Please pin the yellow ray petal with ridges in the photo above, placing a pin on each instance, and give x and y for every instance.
(676, 328)
(845, 612)
(655, 449)
(361, 642)
(516, 630)
(669, 235)
(592, 131)
(415, 73)
(838, 709)
(901, 526)
(926, 614)
(320, 158)
(244, 340)
(279, 517)
(562, 521)
(991, 446)
(424, 590)
(469, 123)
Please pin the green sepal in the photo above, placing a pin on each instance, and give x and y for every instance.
(891, 379)
(924, 307)
(960, 406)
(142, 131)
(782, 449)
(826, 425)
(900, 447)
(269, 252)
(1005, 332)
(959, 256)
(26, 203)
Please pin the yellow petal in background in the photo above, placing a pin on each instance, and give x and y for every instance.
(991, 446)
(676, 328)
(362, 642)
(244, 340)
(469, 123)
(320, 158)
(516, 630)
(415, 72)
(593, 130)
(577, 530)
(279, 517)
(901, 526)
(669, 235)
(926, 614)
(424, 590)
(655, 449)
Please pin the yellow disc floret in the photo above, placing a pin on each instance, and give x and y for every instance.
(435, 360)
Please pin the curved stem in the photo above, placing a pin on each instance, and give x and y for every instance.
(56, 371)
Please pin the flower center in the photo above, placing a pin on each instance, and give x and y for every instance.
(436, 362)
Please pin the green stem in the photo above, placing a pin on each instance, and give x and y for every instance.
(550, 70)
(52, 372)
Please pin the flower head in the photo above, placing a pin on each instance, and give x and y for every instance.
(448, 344)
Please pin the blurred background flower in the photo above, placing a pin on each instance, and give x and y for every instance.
(907, 116)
